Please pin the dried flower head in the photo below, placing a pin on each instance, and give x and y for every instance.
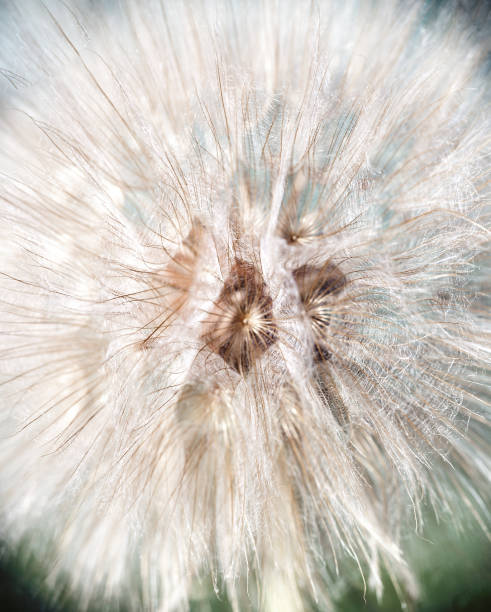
(242, 289)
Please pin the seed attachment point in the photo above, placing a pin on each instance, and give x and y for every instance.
(241, 327)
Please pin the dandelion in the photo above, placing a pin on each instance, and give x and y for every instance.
(242, 291)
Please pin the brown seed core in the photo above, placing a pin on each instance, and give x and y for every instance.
(316, 286)
(241, 328)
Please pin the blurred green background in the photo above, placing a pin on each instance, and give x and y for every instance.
(453, 568)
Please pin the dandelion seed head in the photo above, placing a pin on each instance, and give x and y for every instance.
(242, 283)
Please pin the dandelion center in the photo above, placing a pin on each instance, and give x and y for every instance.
(316, 287)
(241, 327)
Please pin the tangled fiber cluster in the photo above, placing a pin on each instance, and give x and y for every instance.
(243, 252)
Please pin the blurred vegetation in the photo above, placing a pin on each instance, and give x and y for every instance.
(454, 571)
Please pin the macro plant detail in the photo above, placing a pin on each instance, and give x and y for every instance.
(243, 277)
(243, 326)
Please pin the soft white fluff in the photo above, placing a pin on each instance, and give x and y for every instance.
(242, 267)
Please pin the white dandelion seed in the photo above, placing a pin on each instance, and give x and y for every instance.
(242, 290)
